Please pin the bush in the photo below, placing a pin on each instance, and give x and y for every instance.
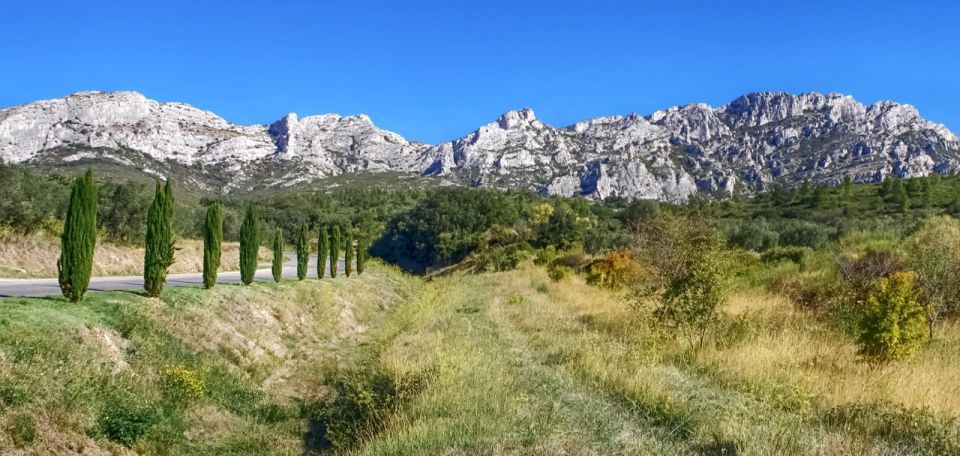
(22, 430)
(545, 255)
(754, 235)
(789, 253)
(126, 423)
(180, 384)
(363, 399)
(805, 234)
(617, 270)
(558, 272)
(893, 323)
(503, 258)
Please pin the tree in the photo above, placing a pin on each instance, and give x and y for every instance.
(323, 249)
(933, 252)
(361, 253)
(892, 325)
(78, 239)
(277, 268)
(693, 297)
(158, 255)
(303, 252)
(212, 241)
(249, 245)
(348, 253)
(334, 250)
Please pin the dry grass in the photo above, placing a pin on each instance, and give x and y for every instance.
(35, 256)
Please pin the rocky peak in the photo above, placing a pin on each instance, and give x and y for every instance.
(755, 140)
(518, 119)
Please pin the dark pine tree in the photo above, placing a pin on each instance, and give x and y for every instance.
(249, 245)
(303, 252)
(323, 249)
(212, 241)
(361, 253)
(159, 240)
(334, 250)
(348, 252)
(78, 239)
(277, 268)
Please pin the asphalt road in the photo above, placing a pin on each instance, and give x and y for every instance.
(51, 287)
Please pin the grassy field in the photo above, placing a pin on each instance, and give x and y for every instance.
(500, 363)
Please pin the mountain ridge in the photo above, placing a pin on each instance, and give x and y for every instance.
(743, 146)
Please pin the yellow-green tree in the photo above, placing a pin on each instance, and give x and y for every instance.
(892, 326)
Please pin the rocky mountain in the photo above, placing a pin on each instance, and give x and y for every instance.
(743, 146)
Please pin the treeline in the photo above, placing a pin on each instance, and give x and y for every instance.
(35, 201)
(79, 235)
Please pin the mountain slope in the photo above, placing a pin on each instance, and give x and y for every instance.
(745, 145)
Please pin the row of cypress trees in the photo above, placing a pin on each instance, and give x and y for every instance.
(78, 240)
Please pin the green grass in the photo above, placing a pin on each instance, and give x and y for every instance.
(504, 363)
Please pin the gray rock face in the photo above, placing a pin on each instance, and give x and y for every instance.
(743, 146)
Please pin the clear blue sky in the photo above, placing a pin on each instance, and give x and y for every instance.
(435, 70)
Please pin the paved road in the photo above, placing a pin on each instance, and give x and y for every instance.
(50, 287)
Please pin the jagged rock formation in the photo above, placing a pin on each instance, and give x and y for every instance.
(744, 146)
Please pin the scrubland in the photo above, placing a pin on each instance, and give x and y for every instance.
(495, 363)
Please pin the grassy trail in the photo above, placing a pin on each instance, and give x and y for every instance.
(517, 364)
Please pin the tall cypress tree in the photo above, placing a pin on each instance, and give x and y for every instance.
(159, 241)
(323, 248)
(78, 239)
(249, 245)
(361, 253)
(334, 249)
(278, 255)
(303, 252)
(348, 252)
(212, 240)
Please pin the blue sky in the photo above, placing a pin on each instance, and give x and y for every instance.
(436, 70)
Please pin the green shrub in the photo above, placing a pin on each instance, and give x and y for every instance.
(545, 255)
(363, 399)
(805, 234)
(558, 272)
(788, 253)
(22, 430)
(756, 235)
(126, 423)
(893, 324)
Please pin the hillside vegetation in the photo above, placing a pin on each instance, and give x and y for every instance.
(502, 363)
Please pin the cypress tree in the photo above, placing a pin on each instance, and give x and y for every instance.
(303, 252)
(323, 248)
(249, 245)
(361, 253)
(334, 250)
(348, 253)
(278, 255)
(212, 239)
(159, 241)
(78, 239)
